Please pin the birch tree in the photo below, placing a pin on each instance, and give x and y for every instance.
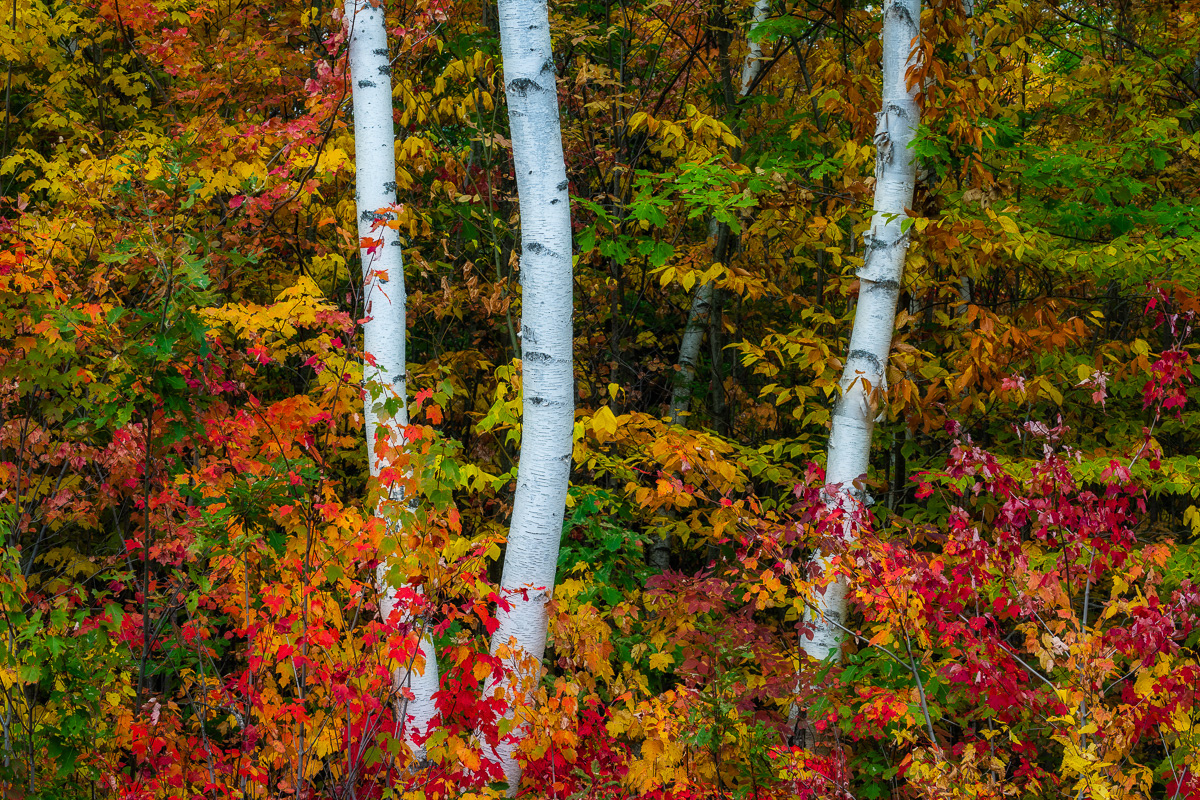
(863, 382)
(697, 324)
(548, 402)
(699, 311)
(385, 329)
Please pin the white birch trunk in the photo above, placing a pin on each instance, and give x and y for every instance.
(753, 64)
(968, 7)
(864, 386)
(548, 401)
(698, 313)
(689, 351)
(697, 324)
(383, 291)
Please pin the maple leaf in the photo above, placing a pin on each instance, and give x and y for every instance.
(660, 661)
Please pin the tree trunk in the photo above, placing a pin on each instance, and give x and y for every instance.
(966, 294)
(659, 556)
(383, 292)
(698, 314)
(548, 402)
(864, 386)
(752, 66)
(689, 352)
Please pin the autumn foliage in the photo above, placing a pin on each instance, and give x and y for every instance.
(188, 537)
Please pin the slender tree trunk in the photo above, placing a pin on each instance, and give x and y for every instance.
(689, 352)
(698, 320)
(548, 401)
(383, 291)
(752, 66)
(698, 314)
(966, 294)
(864, 386)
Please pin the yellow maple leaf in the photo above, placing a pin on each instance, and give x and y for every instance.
(660, 661)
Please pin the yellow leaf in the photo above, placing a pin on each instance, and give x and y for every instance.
(1145, 683)
(660, 661)
(604, 422)
(1074, 763)
(619, 722)
(1192, 517)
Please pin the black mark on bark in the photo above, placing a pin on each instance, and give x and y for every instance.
(522, 86)
(867, 356)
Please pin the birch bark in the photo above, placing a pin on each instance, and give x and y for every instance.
(698, 313)
(697, 324)
(384, 328)
(753, 65)
(864, 384)
(548, 402)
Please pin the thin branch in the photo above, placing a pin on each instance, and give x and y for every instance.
(1126, 40)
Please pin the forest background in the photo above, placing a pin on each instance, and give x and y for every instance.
(191, 540)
